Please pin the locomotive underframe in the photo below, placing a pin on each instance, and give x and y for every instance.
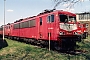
(63, 42)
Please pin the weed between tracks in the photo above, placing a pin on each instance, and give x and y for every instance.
(21, 51)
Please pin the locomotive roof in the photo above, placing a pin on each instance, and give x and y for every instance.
(56, 11)
(46, 12)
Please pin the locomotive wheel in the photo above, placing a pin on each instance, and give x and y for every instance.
(57, 46)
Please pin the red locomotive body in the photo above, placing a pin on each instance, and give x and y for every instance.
(1, 30)
(84, 31)
(85, 26)
(61, 25)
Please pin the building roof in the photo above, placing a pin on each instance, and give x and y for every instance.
(83, 13)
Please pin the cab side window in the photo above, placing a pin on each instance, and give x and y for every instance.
(40, 21)
(50, 18)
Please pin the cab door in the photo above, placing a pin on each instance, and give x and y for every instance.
(40, 28)
(50, 26)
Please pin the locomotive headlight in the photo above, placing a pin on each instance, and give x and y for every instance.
(84, 30)
(61, 33)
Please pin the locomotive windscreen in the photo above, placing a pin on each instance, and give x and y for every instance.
(69, 20)
(66, 18)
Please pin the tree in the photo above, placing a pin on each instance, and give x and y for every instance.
(69, 2)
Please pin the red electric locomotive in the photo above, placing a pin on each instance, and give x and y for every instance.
(84, 31)
(85, 26)
(58, 26)
(1, 31)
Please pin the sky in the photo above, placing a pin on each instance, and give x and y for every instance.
(17, 9)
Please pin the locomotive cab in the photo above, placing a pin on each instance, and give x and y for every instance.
(67, 33)
(68, 25)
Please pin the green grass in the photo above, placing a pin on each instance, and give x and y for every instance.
(21, 51)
